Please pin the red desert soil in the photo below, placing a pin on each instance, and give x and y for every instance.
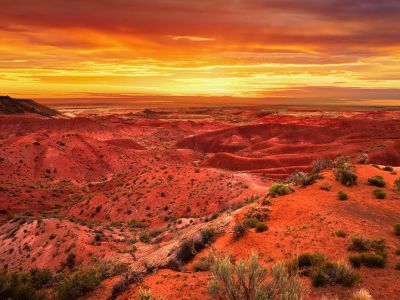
(305, 221)
(100, 185)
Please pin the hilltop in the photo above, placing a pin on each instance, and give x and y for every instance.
(10, 105)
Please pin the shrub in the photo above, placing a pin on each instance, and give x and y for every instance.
(303, 179)
(346, 177)
(361, 294)
(119, 287)
(373, 260)
(355, 261)
(247, 280)
(360, 244)
(207, 235)
(388, 168)
(204, 264)
(279, 189)
(250, 222)
(321, 164)
(344, 171)
(144, 236)
(306, 260)
(334, 273)
(342, 195)
(341, 233)
(147, 295)
(397, 252)
(377, 181)
(363, 159)
(261, 227)
(398, 266)
(70, 262)
(397, 185)
(380, 194)
(397, 229)
(239, 230)
(24, 285)
(77, 284)
(326, 186)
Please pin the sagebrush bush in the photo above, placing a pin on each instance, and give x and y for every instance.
(239, 230)
(250, 222)
(344, 171)
(261, 227)
(355, 261)
(373, 260)
(204, 264)
(377, 181)
(208, 235)
(279, 189)
(247, 280)
(342, 195)
(78, 283)
(341, 233)
(303, 179)
(361, 294)
(321, 164)
(363, 159)
(146, 294)
(379, 194)
(334, 273)
(24, 285)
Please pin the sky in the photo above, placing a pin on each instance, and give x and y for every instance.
(293, 51)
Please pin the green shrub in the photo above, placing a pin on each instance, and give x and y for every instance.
(342, 195)
(334, 273)
(397, 185)
(341, 233)
(344, 171)
(355, 261)
(388, 168)
(380, 194)
(303, 179)
(397, 229)
(70, 262)
(77, 284)
(204, 264)
(360, 244)
(239, 230)
(261, 227)
(307, 260)
(24, 285)
(250, 222)
(373, 260)
(247, 280)
(279, 189)
(377, 181)
(144, 236)
(363, 159)
(207, 235)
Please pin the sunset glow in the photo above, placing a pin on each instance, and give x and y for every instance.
(330, 50)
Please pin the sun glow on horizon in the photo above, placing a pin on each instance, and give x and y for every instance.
(287, 49)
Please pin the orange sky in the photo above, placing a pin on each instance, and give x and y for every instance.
(325, 51)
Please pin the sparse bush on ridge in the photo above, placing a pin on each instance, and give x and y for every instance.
(303, 179)
(373, 253)
(363, 159)
(388, 168)
(247, 280)
(344, 171)
(334, 273)
(321, 164)
(261, 227)
(377, 181)
(326, 186)
(279, 189)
